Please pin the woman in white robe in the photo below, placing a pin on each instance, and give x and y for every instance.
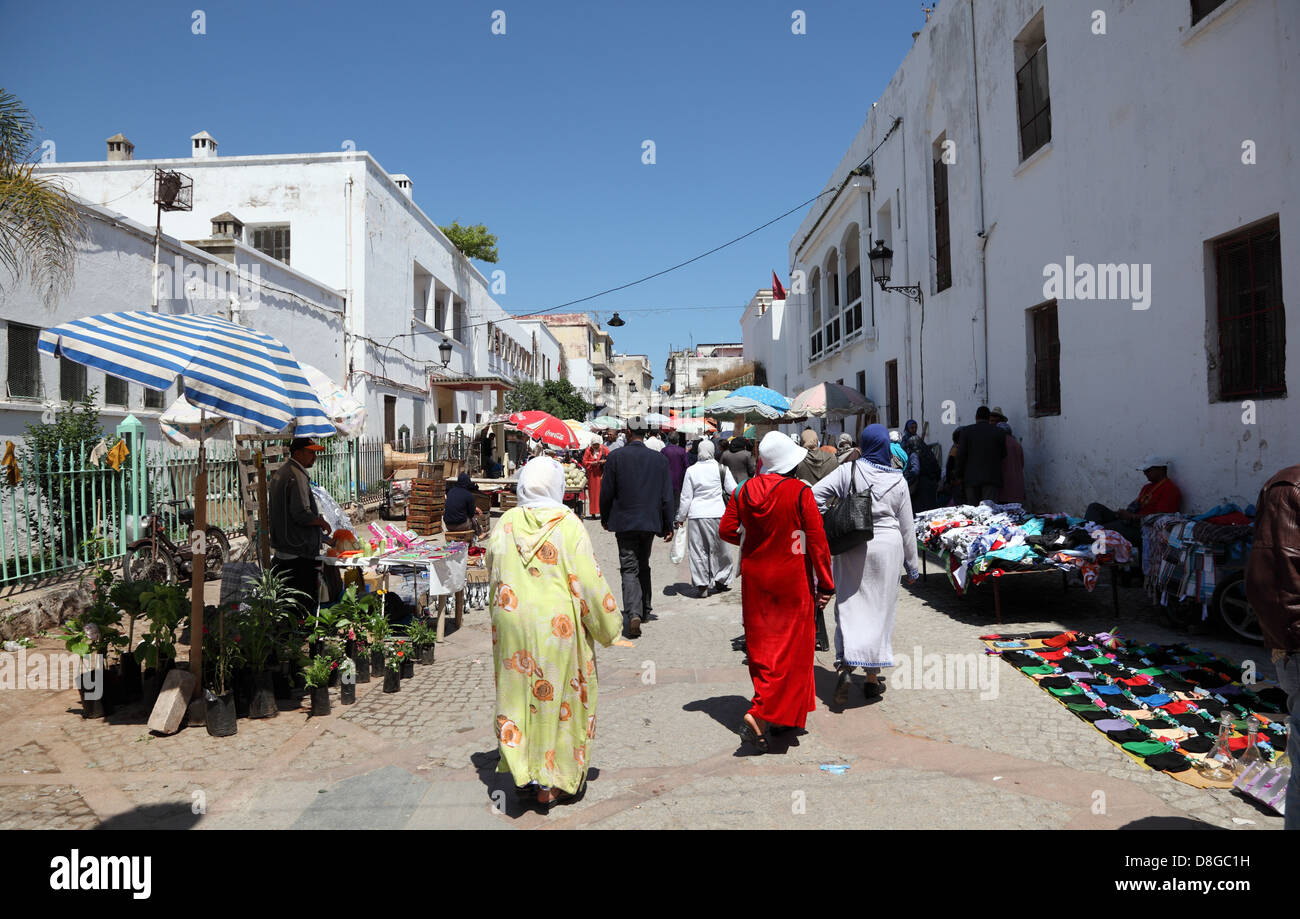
(701, 506)
(866, 577)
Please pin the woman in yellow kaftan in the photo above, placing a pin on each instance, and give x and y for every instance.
(550, 604)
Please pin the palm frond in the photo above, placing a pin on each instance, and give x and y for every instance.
(40, 228)
(17, 128)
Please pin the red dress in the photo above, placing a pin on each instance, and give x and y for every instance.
(592, 464)
(777, 569)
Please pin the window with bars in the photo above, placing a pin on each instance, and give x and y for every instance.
(853, 293)
(116, 391)
(862, 382)
(155, 399)
(815, 316)
(273, 241)
(1047, 360)
(1250, 315)
(24, 377)
(1203, 8)
(1033, 102)
(942, 240)
(891, 394)
(72, 380)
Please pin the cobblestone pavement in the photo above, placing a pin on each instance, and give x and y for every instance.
(667, 754)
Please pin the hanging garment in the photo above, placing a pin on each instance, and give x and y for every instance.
(118, 455)
(13, 475)
(99, 452)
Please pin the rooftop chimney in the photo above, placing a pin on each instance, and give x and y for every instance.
(404, 183)
(119, 148)
(203, 146)
(227, 226)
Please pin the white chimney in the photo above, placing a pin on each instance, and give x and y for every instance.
(203, 146)
(119, 148)
(404, 183)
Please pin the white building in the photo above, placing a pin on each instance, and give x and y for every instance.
(1149, 164)
(342, 219)
(687, 369)
(113, 272)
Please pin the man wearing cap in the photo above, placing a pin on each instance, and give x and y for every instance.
(1159, 496)
(979, 458)
(296, 524)
(1013, 464)
(636, 504)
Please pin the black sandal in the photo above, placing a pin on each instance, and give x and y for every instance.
(752, 737)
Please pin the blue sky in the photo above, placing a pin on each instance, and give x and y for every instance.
(537, 133)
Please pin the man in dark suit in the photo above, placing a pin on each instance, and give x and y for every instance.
(979, 458)
(636, 504)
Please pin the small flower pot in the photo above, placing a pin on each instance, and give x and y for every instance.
(334, 678)
(347, 693)
(320, 701)
(132, 685)
(245, 684)
(408, 667)
(220, 720)
(95, 683)
(377, 661)
(426, 653)
(362, 663)
(262, 704)
(392, 681)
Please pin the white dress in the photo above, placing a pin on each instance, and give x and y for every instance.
(866, 577)
(702, 506)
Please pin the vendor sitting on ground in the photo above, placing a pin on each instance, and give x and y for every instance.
(1159, 496)
(494, 468)
(461, 511)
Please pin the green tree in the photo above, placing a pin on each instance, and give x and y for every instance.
(473, 242)
(40, 224)
(556, 397)
(50, 447)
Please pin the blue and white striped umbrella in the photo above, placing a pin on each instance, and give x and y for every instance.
(227, 369)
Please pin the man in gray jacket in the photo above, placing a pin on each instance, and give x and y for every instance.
(296, 524)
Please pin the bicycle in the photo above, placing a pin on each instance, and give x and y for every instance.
(154, 557)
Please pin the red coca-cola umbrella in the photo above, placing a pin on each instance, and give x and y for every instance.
(547, 428)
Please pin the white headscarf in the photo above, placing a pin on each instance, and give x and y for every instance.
(780, 454)
(541, 483)
(705, 451)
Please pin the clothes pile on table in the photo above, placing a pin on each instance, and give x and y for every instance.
(988, 540)
(1161, 704)
(1184, 557)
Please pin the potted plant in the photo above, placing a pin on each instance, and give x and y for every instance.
(407, 657)
(317, 675)
(378, 629)
(422, 636)
(394, 653)
(221, 655)
(90, 634)
(262, 617)
(347, 671)
(165, 607)
(126, 597)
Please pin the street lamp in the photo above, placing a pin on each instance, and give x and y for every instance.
(616, 322)
(444, 351)
(882, 261)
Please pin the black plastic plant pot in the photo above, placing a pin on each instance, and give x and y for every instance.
(262, 704)
(392, 681)
(320, 700)
(220, 720)
(132, 685)
(347, 693)
(362, 663)
(350, 648)
(377, 661)
(334, 678)
(427, 653)
(408, 667)
(95, 683)
(283, 682)
(245, 684)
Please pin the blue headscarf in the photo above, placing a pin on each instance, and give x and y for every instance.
(874, 444)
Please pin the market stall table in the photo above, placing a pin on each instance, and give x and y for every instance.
(446, 567)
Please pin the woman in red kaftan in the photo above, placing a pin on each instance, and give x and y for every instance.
(785, 569)
(593, 463)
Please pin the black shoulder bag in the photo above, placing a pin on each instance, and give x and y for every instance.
(848, 521)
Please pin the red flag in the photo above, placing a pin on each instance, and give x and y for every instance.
(778, 292)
